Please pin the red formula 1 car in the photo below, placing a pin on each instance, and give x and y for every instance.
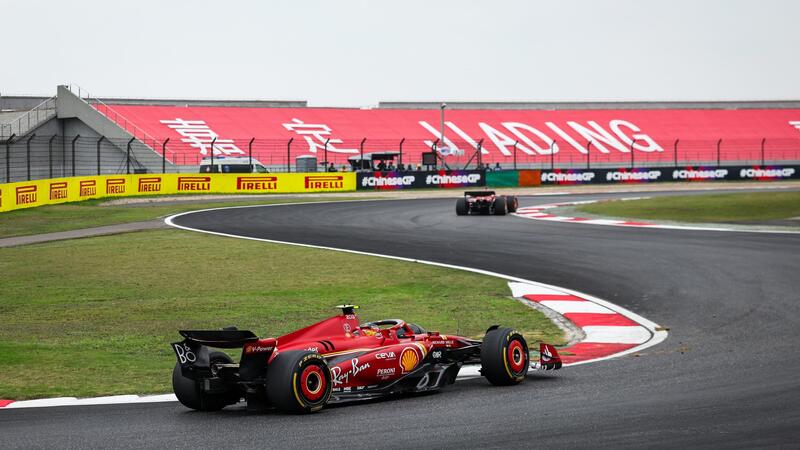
(339, 359)
(486, 202)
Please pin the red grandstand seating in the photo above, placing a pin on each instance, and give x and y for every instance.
(611, 132)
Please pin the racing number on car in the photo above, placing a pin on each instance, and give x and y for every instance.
(185, 353)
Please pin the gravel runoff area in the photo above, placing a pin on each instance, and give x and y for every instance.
(388, 194)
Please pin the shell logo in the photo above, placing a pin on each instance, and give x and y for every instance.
(408, 359)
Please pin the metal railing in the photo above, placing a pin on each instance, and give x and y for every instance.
(114, 116)
(29, 120)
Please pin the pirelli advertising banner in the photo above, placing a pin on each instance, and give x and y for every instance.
(29, 194)
(655, 174)
(421, 179)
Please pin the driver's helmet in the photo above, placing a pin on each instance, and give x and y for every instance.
(371, 330)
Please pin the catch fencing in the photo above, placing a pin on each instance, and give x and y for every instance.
(50, 156)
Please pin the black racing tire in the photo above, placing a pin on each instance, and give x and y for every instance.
(500, 206)
(461, 207)
(504, 357)
(299, 382)
(512, 203)
(191, 396)
(186, 390)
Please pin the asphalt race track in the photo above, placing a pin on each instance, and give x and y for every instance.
(728, 375)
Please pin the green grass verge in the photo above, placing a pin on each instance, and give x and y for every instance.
(90, 213)
(739, 207)
(95, 316)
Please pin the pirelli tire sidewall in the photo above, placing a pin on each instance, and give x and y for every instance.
(299, 382)
(504, 357)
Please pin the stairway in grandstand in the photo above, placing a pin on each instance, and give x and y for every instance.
(74, 102)
(26, 123)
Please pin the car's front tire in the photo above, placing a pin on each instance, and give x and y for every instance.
(299, 382)
(504, 357)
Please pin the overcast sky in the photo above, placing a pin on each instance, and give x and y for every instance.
(357, 53)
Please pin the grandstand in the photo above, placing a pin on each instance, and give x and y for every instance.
(74, 133)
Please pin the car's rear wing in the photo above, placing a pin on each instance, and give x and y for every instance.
(478, 193)
(194, 355)
(219, 338)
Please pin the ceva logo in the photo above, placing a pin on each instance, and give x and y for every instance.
(324, 181)
(58, 190)
(194, 184)
(265, 183)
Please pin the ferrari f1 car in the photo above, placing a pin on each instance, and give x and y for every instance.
(339, 359)
(486, 202)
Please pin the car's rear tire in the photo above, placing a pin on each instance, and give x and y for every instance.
(461, 207)
(504, 357)
(191, 396)
(512, 203)
(500, 206)
(299, 382)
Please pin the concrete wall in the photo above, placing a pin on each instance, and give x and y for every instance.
(20, 102)
(25, 103)
(189, 102)
(790, 104)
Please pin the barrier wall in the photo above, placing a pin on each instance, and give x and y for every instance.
(30, 194)
(648, 175)
(503, 178)
(62, 190)
(421, 179)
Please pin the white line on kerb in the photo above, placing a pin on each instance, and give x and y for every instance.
(535, 213)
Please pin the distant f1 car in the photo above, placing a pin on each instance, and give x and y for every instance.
(486, 202)
(338, 360)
